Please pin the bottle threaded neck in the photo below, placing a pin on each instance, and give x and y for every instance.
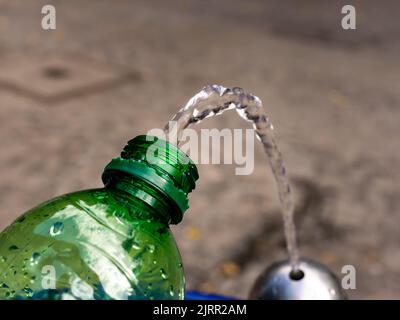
(162, 166)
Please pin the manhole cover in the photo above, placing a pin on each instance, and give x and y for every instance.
(59, 77)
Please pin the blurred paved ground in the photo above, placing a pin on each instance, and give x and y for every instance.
(71, 98)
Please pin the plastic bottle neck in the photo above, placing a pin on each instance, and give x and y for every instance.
(153, 205)
(155, 172)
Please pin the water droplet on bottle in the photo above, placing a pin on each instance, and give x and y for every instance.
(3, 285)
(13, 248)
(163, 274)
(56, 228)
(35, 257)
(171, 291)
(150, 248)
(10, 294)
(3, 259)
(28, 292)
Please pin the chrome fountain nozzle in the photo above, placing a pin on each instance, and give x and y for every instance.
(311, 281)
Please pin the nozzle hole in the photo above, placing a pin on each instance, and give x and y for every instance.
(296, 274)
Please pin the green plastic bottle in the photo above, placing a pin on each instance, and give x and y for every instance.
(109, 243)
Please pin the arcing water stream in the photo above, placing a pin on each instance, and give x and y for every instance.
(213, 100)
